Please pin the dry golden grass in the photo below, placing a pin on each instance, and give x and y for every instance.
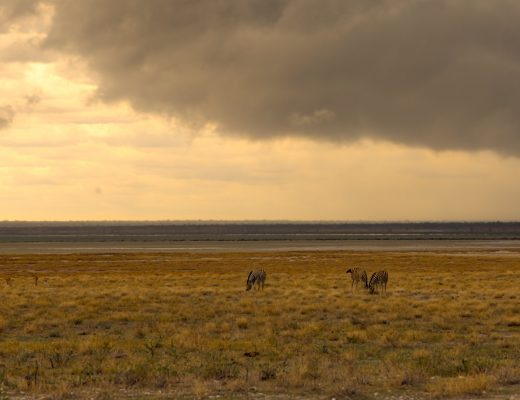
(461, 385)
(109, 325)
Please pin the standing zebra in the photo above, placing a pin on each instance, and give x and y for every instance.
(256, 278)
(379, 278)
(358, 275)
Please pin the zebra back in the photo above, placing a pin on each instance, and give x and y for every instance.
(256, 277)
(379, 278)
(357, 275)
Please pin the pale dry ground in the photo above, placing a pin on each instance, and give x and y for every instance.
(181, 325)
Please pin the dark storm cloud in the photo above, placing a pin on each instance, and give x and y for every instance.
(6, 116)
(441, 73)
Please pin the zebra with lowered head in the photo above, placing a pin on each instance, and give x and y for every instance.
(378, 279)
(256, 278)
(357, 275)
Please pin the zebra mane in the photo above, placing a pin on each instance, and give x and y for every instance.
(249, 276)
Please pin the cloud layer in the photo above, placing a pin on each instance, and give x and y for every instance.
(6, 116)
(438, 73)
(11, 10)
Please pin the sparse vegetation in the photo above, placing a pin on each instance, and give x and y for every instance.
(109, 325)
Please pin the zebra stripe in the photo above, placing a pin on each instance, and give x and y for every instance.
(378, 279)
(358, 275)
(256, 278)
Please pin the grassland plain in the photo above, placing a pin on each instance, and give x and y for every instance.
(180, 325)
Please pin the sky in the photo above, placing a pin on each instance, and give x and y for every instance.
(259, 110)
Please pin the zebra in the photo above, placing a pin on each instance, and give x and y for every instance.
(256, 278)
(379, 278)
(357, 275)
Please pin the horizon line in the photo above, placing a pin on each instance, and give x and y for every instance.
(254, 221)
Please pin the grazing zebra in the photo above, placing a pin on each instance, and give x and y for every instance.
(358, 275)
(256, 278)
(379, 278)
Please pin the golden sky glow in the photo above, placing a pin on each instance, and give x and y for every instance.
(66, 155)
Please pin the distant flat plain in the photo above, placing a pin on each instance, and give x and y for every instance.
(505, 247)
(123, 237)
